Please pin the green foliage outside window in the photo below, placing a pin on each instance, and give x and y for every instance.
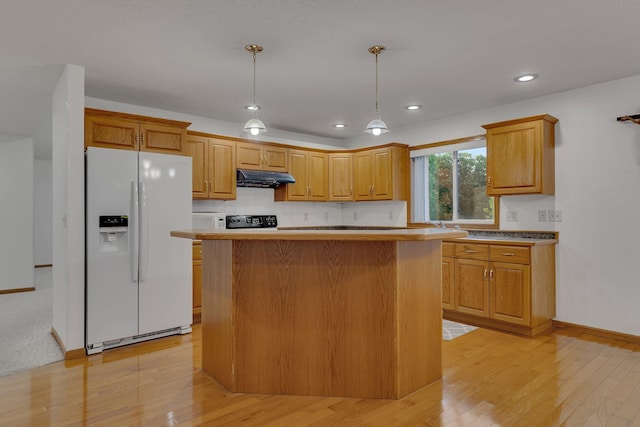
(472, 200)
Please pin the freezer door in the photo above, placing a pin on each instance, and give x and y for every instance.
(165, 292)
(111, 258)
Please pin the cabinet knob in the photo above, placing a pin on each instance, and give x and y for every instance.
(508, 254)
(491, 275)
(485, 273)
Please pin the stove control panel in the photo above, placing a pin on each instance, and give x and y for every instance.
(251, 221)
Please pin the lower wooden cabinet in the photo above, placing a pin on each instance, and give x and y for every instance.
(448, 275)
(197, 282)
(501, 286)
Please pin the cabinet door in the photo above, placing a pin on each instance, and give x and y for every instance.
(510, 293)
(197, 147)
(298, 169)
(317, 171)
(261, 157)
(514, 159)
(248, 156)
(275, 159)
(341, 177)
(162, 139)
(221, 169)
(109, 132)
(472, 287)
(381, 174)
(448, 274)
(362, 176)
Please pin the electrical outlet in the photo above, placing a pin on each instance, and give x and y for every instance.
(390, 215)
(355, 216)
(555, 215)
(326, 216)
(512, 216)
(542, 215)
(306, 216)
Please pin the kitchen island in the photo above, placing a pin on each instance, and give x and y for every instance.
(353, 313)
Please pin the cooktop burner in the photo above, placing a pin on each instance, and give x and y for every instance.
(251, 221)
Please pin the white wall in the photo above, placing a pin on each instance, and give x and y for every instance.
(68, 207)
(16, 214)
(597, 190)
(42, 212)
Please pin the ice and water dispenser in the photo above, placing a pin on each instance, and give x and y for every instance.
(113, 233)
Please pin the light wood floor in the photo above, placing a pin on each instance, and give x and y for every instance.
(490, 378)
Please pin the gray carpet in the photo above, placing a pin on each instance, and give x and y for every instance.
(25, 327)
(451, 330)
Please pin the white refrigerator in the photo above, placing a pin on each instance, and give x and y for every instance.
(138, 277)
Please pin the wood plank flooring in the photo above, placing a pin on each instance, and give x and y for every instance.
(490, 379)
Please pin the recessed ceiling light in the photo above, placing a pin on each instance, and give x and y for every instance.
(252, 107)
(525, 78)
(413, 107)
(339, 125)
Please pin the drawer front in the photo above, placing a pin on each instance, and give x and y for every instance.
(472, 251)
(197, 250)
(515, 254)
(448, 249)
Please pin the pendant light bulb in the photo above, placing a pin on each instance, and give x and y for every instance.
(376, 126)
(254, 126)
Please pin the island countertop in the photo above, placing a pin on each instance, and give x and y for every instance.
(359, 234)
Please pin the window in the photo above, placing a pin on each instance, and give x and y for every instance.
(449, 183)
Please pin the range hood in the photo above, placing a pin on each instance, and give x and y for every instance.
(262, 179)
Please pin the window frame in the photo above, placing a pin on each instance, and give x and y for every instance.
(450, 144)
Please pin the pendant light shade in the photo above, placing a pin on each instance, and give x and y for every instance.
(254, 125)
(376, 126)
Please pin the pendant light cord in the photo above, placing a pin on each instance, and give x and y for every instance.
(377, 113)
(254, 83)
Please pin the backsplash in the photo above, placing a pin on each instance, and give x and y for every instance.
(259, 201)
(538, 235)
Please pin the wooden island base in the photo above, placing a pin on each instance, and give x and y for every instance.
(322, 317)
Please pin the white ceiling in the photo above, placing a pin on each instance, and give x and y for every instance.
(188, 56)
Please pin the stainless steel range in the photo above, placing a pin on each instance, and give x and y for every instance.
(251, 221)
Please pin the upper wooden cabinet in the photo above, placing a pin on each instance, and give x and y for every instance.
(381, 173)
(340, 177)
(214, 172)
(256, 156)
(310, 170)
(109, 129)
(520, 156)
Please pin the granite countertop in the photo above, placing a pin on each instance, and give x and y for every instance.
(509, 237)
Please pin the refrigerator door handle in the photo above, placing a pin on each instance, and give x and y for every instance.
(144, 233)
(133, 233)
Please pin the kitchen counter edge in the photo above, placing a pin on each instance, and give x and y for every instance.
(408, 234)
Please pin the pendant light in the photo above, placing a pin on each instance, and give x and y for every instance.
(254, 126)
(376, 126)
